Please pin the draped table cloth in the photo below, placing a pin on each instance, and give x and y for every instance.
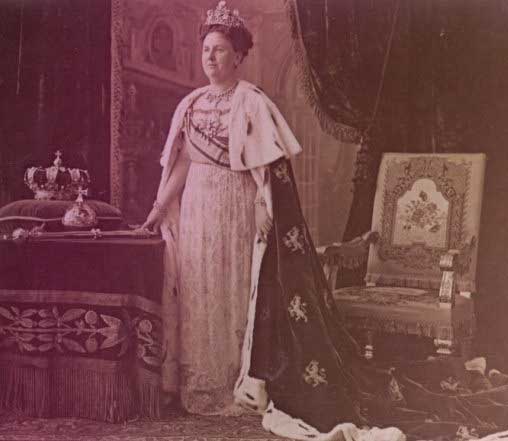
(80, 327)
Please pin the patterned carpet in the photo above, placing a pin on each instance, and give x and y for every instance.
(174, 428)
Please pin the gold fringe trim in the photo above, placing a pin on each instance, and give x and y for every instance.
(403, 281)
(461, 330)
(338, 130)
(345, 262)
(416, 282)
(106, 396)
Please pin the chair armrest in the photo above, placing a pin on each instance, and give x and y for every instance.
(351, 254)
(346, 255)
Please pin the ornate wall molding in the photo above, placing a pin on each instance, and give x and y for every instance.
(154, 63)
(163, 41)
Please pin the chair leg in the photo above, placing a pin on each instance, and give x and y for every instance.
(444, 341)
(443, 347)
(369, 345)
(466, 348)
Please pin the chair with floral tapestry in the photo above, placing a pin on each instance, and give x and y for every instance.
(422, 252)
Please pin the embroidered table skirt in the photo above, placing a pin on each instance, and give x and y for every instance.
(80, 327)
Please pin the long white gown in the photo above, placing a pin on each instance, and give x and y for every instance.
(215, 246)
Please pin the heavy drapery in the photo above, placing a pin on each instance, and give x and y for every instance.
(55, 89)
(433, 91)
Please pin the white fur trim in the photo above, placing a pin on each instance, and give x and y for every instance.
(270, 139)
(476, 364)
(282, 424)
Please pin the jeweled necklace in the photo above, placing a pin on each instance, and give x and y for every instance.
(226, 95)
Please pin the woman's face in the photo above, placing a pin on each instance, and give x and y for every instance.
(218, 57)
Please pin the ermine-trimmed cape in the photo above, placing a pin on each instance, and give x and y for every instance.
(258, 133)
(261, 141)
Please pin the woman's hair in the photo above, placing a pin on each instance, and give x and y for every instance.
(240, 37)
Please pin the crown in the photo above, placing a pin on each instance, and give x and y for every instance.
(221, 15)
(56, 182)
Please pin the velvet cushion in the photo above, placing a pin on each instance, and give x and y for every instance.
(31, 213)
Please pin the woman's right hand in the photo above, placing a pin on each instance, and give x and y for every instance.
(154, 220)
(264, 222)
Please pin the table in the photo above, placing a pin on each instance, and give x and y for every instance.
(80, 327)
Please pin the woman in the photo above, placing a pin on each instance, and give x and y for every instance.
(226, 159)
(223, 208)
(244, 255)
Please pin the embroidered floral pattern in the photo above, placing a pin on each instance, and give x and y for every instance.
(78, 330)
(282, 173)
(294, 240)
(314, 375)
(424, 214)
(298, 309)
(452, 184)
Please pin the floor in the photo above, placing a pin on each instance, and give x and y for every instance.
(177, 427)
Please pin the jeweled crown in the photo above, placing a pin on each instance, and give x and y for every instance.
(56, 182)
(222, 15)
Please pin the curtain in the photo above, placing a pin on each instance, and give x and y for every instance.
(432, 88)
(341, 49)
(55, 89)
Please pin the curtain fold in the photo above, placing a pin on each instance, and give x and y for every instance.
(341, 48)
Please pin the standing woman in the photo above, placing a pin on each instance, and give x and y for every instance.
(212, 206)
(255, 321)
(243, 266)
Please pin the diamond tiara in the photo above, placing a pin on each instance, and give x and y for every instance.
(221, 15)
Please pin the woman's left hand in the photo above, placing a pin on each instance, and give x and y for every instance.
(264, 222)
